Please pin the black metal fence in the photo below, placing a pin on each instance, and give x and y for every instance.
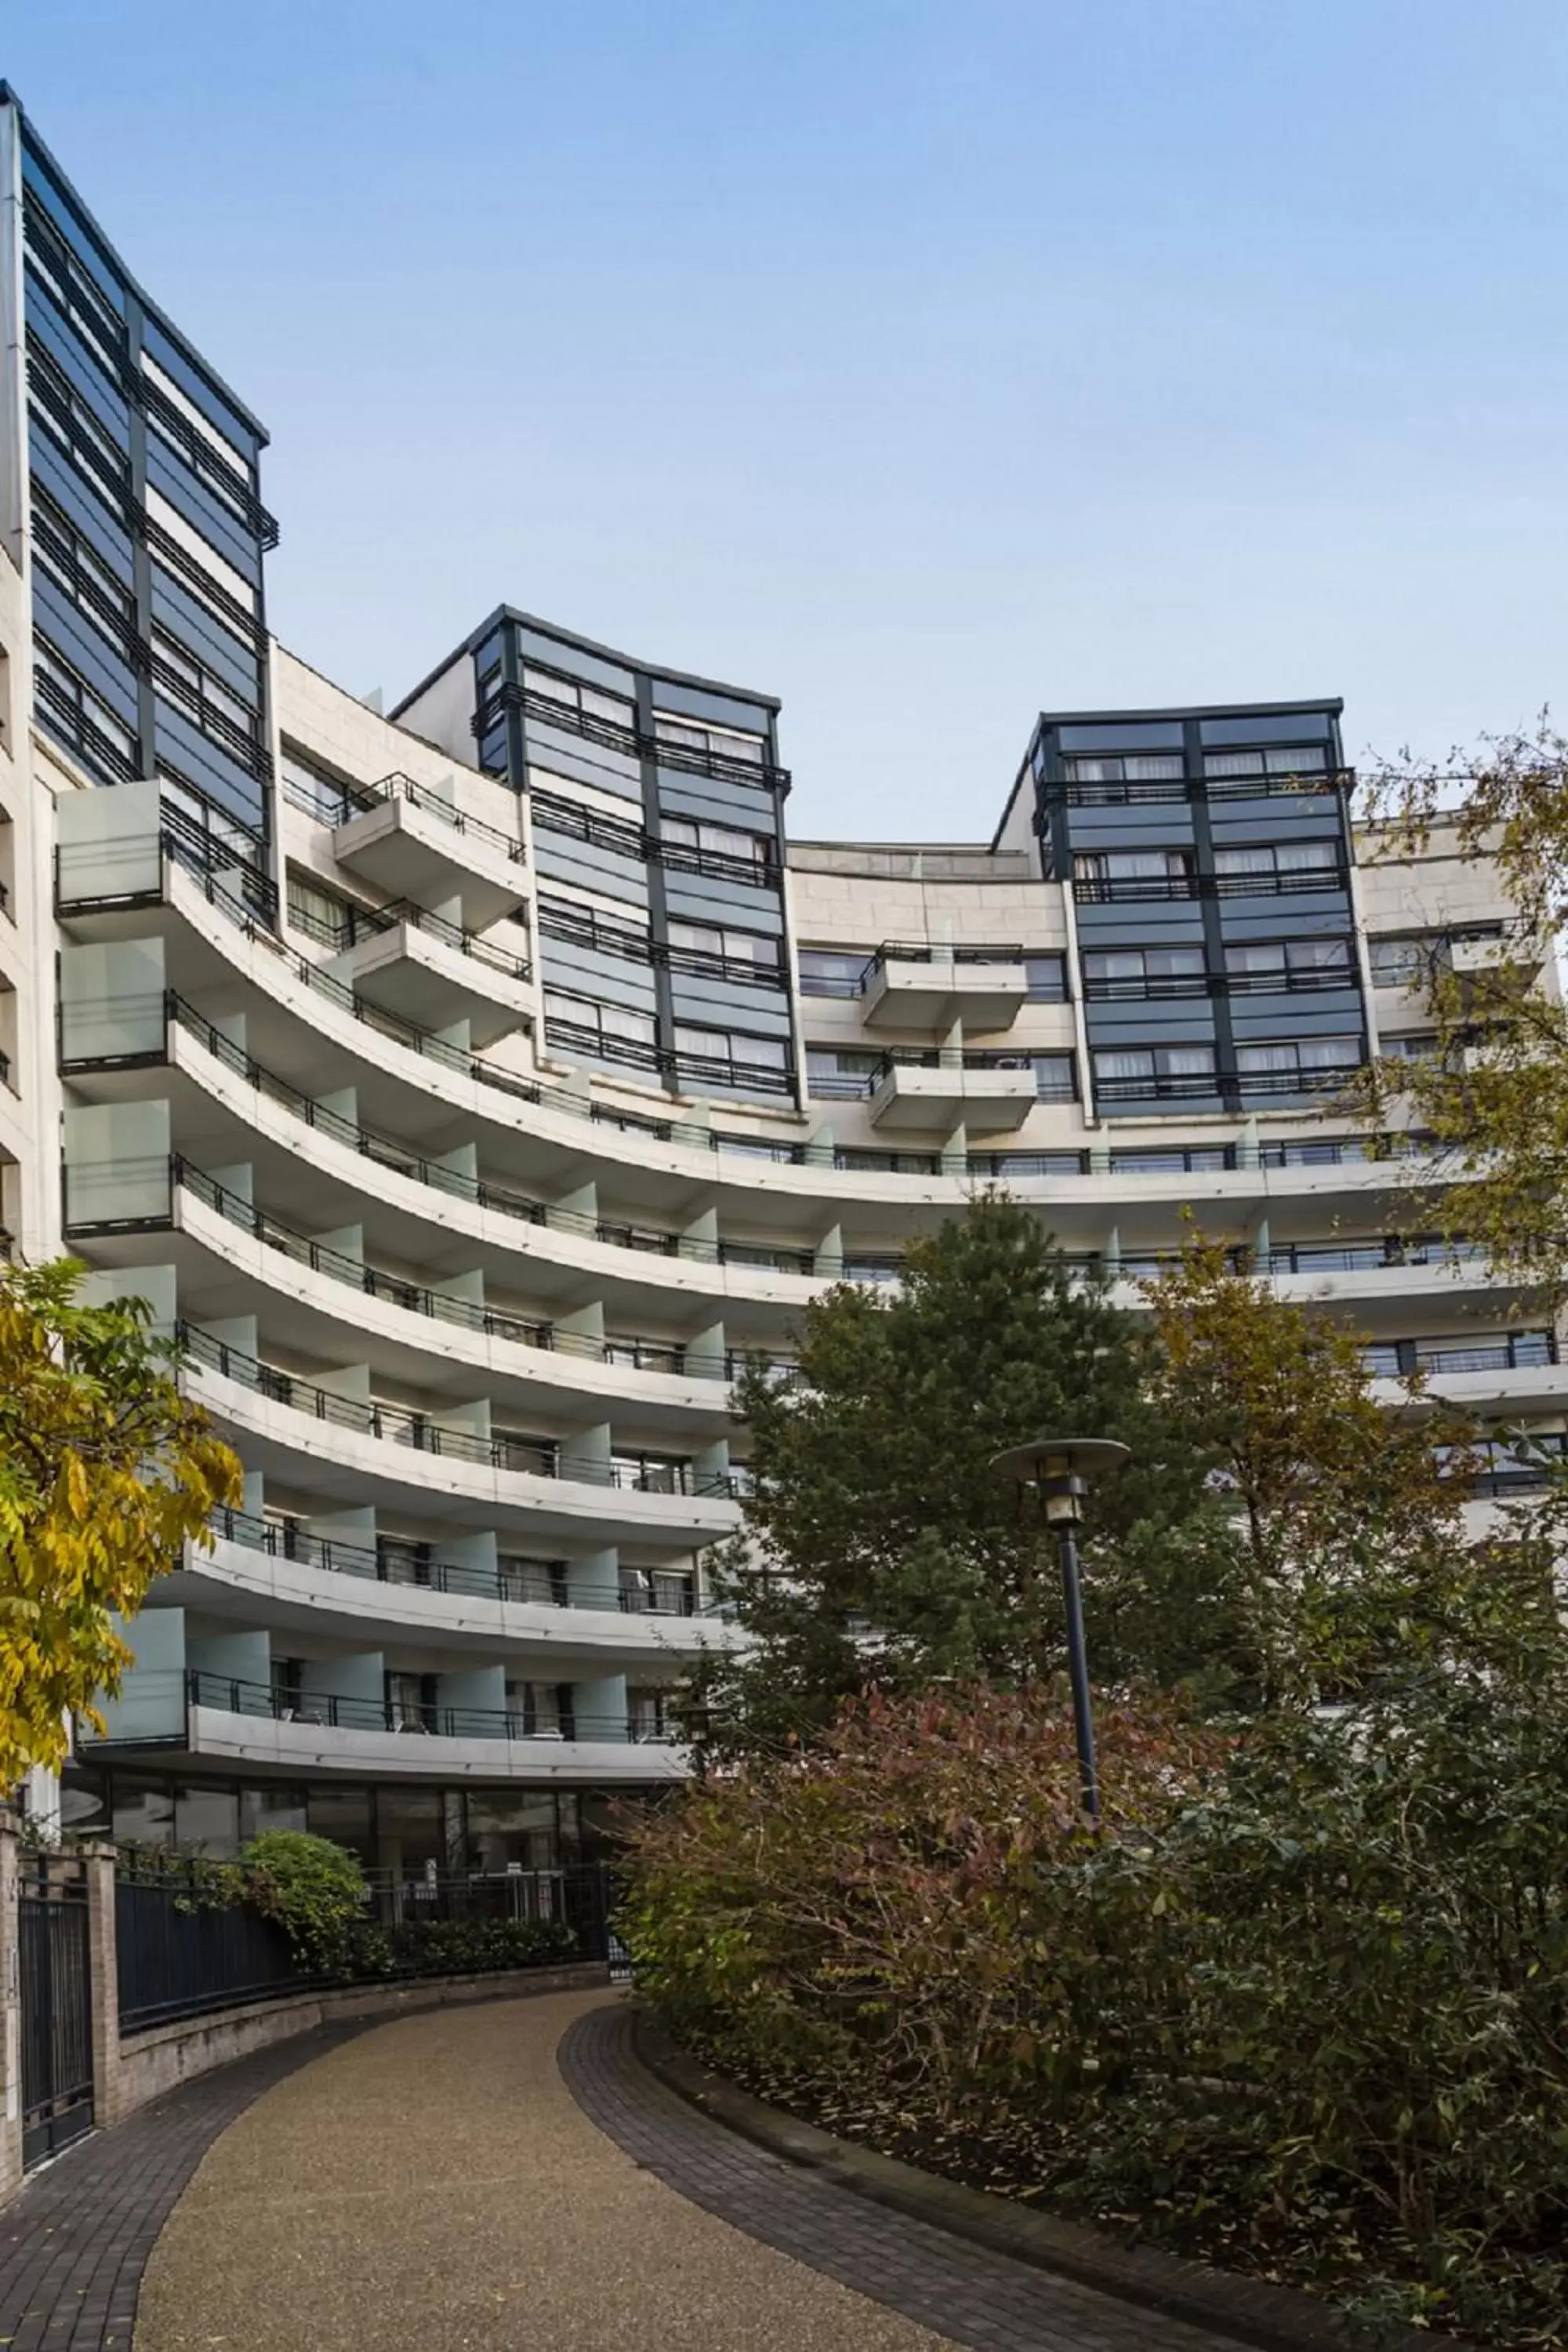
(55, 1984)
(180, 1955)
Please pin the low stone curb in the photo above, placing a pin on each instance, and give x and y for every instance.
(1253, 2311)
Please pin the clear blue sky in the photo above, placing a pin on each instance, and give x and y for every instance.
(926, 364)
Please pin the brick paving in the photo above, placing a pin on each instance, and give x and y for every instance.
(957, 2289)
(74, 2245)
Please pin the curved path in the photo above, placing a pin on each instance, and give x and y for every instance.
(505, 2178)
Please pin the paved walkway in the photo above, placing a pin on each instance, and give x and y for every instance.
(74, 2245)
(499, 2178)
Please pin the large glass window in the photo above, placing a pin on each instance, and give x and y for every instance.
(732, 1056)
(1270, 862)
(1180, 1067)
(726, 944)
(1290, 963)
(833, 971)
(1407, 963)
(1300, 760)
(1143, 972)
(836, 1072)
(1307, 1057)
(1128, 767)
(696, 735)
(143, 1810)
(206, 1821)
(606, 1025)
(586, 701)
(723, 841)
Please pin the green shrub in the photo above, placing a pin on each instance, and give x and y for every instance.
(1301, 2005)
(478, 1946)
(314, 1889)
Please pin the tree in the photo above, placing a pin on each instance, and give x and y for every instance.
(1492, 1092)
(106, 1472)
(1347, 1507)
(880, 1549)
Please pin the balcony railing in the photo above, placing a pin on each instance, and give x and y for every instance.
(1202, 1085)
(1280, 982)
(688, 759)
(1151, 790)
(636, 1354)
(641, 1474)
(340, 1711)
(405, 1562)
(1108, 890)
(339, 804)
(356, 923)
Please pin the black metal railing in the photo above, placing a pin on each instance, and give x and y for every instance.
(179, 1957)
(406, 1561)
(339, 804)
(614, 736)
(345, 1711)
(633, 1353)
(624, 838)
(1104, 890)
(584, 927)
(1152, 791)
(350, 923)
(1193, 1085)
(1050, 1085)
(386, 1152)
(641, 1474)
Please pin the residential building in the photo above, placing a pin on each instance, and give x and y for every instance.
(473, 1087)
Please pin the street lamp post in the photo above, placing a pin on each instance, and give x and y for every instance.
(1059, 1469)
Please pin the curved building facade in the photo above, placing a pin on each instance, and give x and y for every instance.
(473, 1087)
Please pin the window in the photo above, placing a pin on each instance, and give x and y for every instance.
(1278, 865)
(612, 1030)
(1117, 778)
(1055, 1079)
(79, 431)
(624, 934)
(713, 742)
(81, 575)
(318, 792)
(834, 1073)
(1152, 1160)
(1047, 979)
(1290, 963)
(732, 1057)
(69, 707)
(214, 706)
(658, 1591)
(1155, 1070)
(1306, 1059)
(1133, 874)
(719, 840)
(1409, 1045)
(1144, 971)
(1407, 963)
(833, 971)
(725, 944)
(1301, 759)
(326, 916)
(586, 701)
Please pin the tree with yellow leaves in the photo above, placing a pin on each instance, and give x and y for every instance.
(105, 1473)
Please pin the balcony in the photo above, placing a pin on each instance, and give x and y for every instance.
(351, 1443)
(392, 1591)
(188, 1713)
(412, 843)
(912, 987)
(424, 970)
(941, 1088)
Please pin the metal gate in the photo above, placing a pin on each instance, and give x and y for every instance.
(57, 2018)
